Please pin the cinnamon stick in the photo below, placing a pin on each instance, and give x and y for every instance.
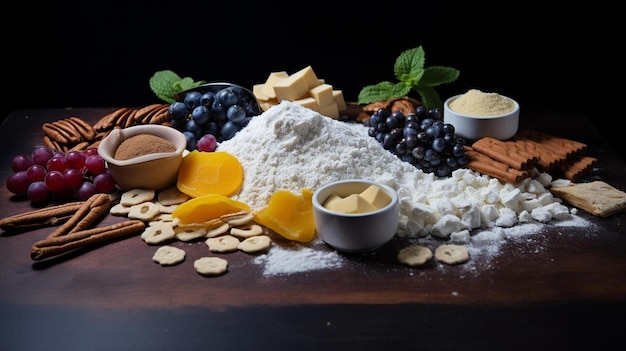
(86, 215)
(57, 245)
(40, 218)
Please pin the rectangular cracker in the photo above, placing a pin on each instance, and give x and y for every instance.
(597, 197)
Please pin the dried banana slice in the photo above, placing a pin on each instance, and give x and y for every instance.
(255, 244)
(452, 254)
(168, 255)
(190, 232)
(224, 243)
(247, 231)
(136, 196)
(415, 255)
(157, 234)
(210, 266)
(144, 211)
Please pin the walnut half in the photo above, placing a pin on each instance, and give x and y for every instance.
(404, 104)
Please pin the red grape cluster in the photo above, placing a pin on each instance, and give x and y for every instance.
(50, 175)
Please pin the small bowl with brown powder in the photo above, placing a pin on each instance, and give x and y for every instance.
(143, 156)
(477, 114)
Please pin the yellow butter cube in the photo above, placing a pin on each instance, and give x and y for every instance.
(272, 79)
(376, 196)
(339, 100)
(330, 111)
(307, 102)
(323, 94)
(352, 204)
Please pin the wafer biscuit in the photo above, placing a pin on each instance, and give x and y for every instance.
(552, 151)
(484, 164)
(574, 169)
(506, 152)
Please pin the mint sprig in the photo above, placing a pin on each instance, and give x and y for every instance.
(412, 75)
(166, 84)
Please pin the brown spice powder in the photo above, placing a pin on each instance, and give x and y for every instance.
(142, 144)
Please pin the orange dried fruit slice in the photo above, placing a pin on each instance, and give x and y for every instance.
(202, 173)
(289, 215)
(207, 207)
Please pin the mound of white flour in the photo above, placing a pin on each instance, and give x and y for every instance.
(291, 147)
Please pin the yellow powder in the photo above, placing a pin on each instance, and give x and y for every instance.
(477, 103)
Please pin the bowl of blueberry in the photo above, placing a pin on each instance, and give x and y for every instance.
(211, 113)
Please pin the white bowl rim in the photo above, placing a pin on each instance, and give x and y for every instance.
(504, 115)
(389, 190)
(155, 129)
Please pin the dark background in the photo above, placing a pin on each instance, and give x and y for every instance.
(102, 54)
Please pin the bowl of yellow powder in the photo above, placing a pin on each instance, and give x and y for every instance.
(143, 156)
(478, 114)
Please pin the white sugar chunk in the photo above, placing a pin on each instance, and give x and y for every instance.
(535, 187)
(507, 218)
(488, 195)
(544, 178)
(447, 225)
(462, 237)
(489, 215)
(444, 206)
(510, 199)
(558, 211)
(557, 183)
(531, 204)
(461, 201)
(524, 217)
(541, 214)
(472, 217)
(546, 198)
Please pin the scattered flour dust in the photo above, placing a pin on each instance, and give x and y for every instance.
(486, 243)
(297, 259)
(290, 147)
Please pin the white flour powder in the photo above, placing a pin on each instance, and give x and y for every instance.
(290, 147)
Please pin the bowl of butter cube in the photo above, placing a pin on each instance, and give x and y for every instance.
(355, 215)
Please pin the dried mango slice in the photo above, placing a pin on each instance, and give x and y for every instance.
(202, 173)
(207, 207)
(289, 215)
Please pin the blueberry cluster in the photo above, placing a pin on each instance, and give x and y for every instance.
(420, 138)
(212, 113)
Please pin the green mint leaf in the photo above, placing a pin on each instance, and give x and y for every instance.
(382, 91)
(430, 98)
(188, 83)
(412, 75)
(437, 75)
(166, 84)
(409, 67)
(162, 85)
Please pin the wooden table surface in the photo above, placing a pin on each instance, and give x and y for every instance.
(559, 288)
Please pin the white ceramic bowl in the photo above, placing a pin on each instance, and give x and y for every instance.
(472, 128)
(355, 232)
(155, 171)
